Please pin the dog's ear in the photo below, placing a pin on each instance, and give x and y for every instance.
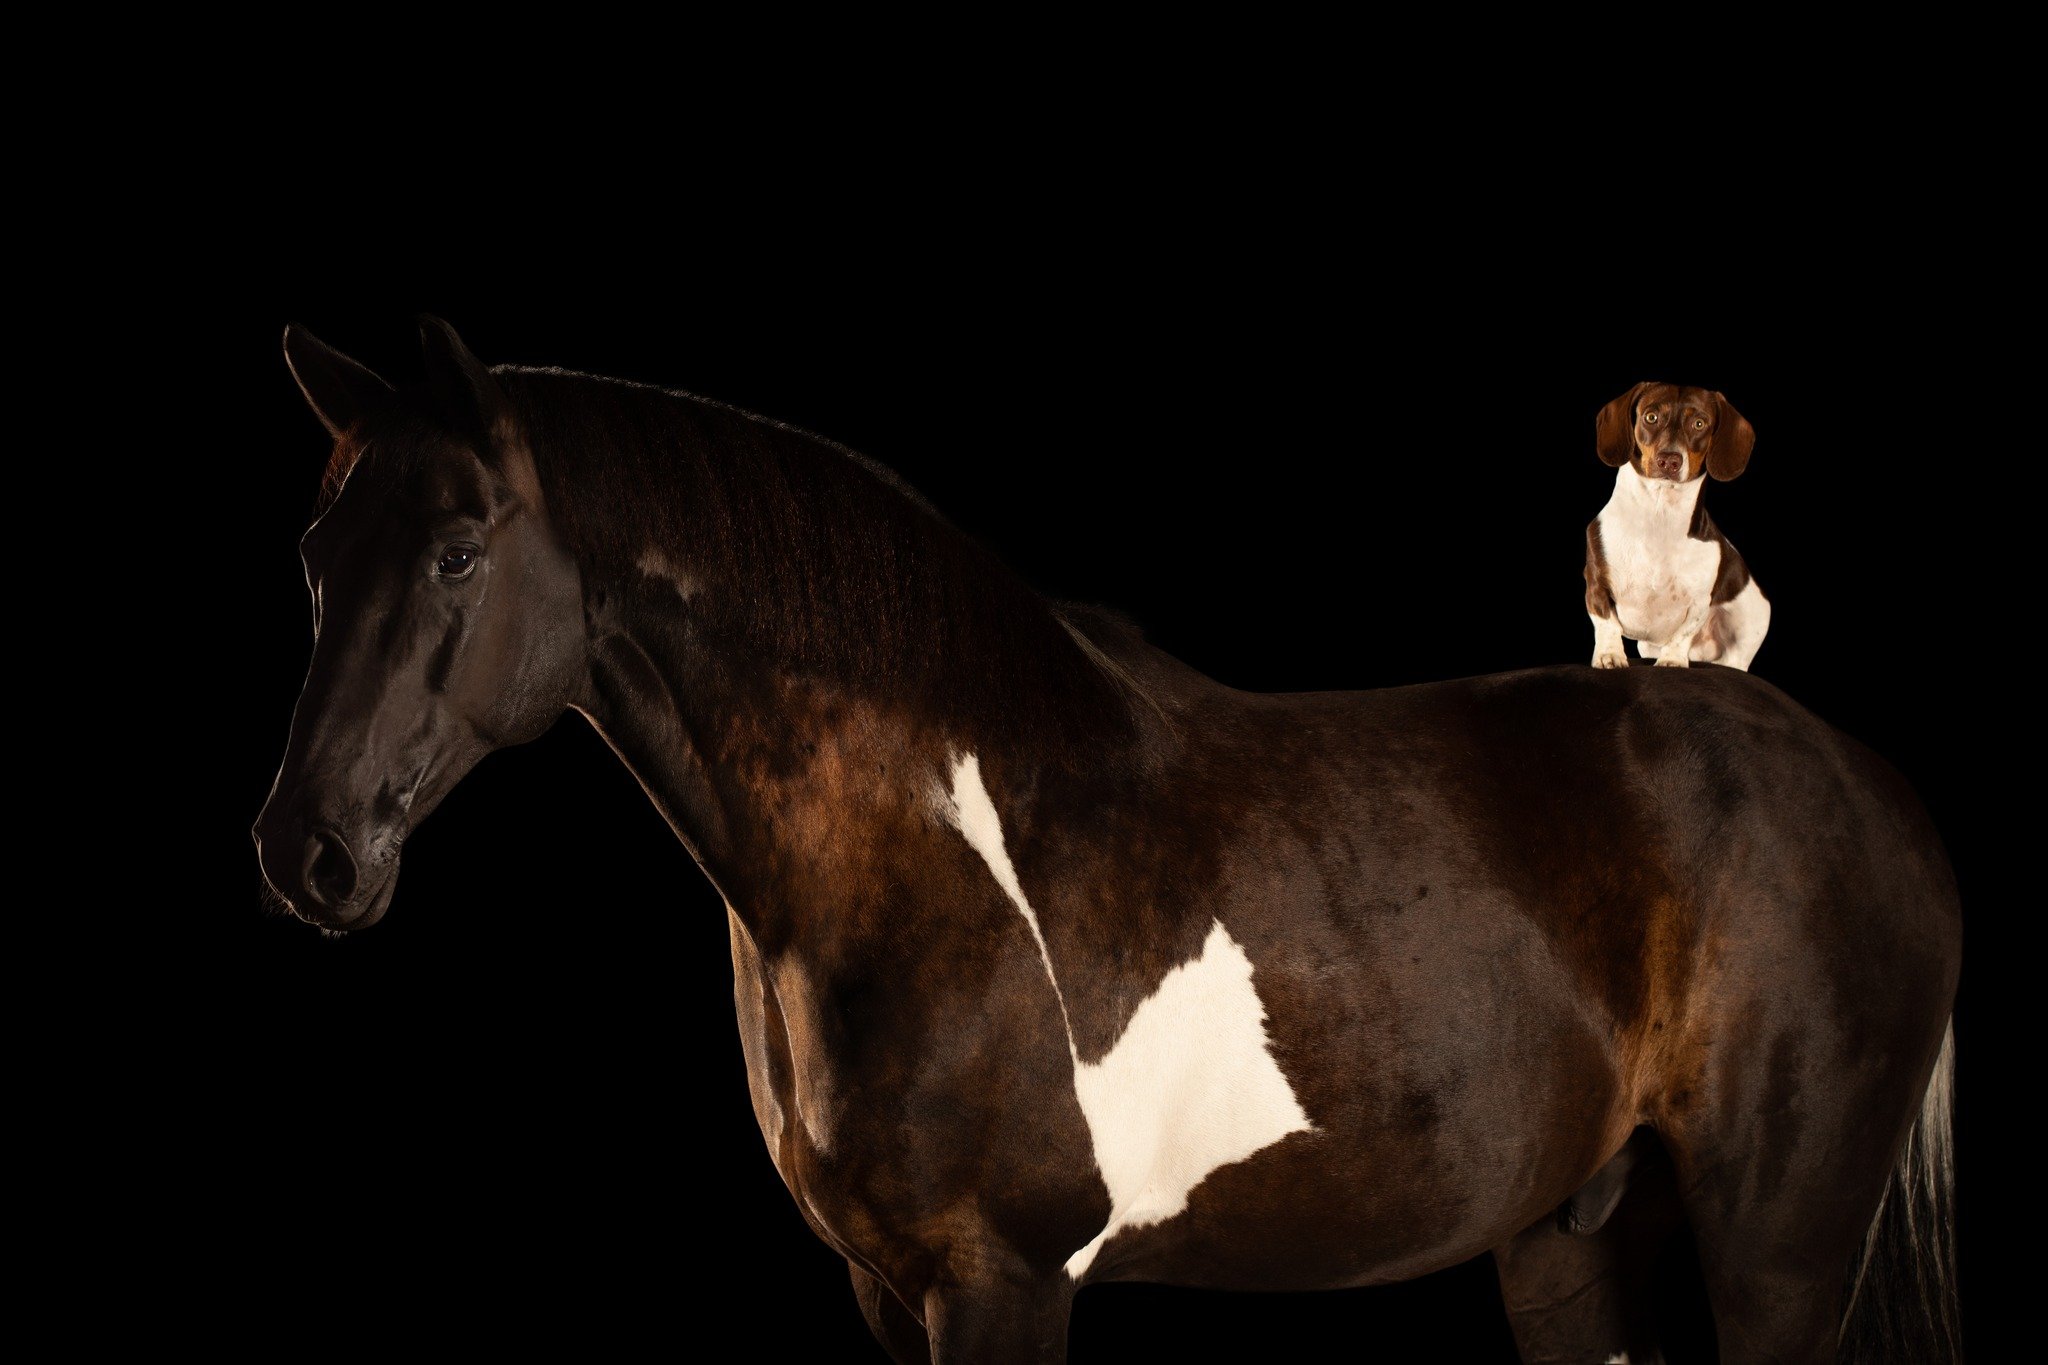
(1734, 438)
(1614, 430)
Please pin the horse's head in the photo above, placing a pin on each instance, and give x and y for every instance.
(447, 620)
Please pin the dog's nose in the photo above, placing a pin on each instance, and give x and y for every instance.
(1671, 464)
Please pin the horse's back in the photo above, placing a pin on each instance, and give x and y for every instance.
(1641, 819)
(1634, 781)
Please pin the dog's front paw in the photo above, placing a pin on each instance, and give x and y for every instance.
(1610, 658)
(1673, 658)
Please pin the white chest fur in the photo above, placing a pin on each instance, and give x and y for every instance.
(1190, 1086)
(1657, 572)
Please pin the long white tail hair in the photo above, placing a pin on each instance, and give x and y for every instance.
(1902, 1291)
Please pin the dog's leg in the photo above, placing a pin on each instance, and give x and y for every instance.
(1608, 651)
(1676, 652)
(1745, 620)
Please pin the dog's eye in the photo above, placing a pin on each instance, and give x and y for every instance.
(1650, 417)
(1700, 422)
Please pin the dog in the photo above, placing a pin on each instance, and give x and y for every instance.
(1658, 571)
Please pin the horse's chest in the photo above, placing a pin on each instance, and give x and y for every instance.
(800, 1082)
(1659, 575)
(762, 1043)
(791, 1075)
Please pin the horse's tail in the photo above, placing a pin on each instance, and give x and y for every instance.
(1902, 1290)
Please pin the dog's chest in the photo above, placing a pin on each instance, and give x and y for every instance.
(1657, 572)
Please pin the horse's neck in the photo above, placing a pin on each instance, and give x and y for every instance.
(792, 793)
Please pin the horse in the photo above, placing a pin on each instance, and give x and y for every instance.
(1056, 962)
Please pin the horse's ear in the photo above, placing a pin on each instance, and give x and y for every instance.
(1614, 430)
(472, 402)
(1734, 438)
(336, 388)
(468, 397)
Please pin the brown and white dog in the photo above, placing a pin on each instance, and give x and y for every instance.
(1657, 568)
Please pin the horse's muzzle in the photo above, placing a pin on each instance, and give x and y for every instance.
(329, 870)
(318, 874)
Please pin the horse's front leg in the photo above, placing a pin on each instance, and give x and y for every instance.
(901, 1335)
(1002, 1315)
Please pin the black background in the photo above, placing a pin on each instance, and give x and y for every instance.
(1306, 445)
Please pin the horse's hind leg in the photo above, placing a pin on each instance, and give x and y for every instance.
(1777, 1225)
(1584, 1295)
(1774, 1266)
(1781, 1155)
(901, 1335)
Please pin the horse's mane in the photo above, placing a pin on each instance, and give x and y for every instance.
(812, 553)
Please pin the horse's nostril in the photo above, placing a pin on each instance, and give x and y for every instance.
(330, 872)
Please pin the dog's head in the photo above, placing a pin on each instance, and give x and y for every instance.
(1671, 432)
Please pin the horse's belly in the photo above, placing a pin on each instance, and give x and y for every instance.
(1314, 1217)
(1450, 1103)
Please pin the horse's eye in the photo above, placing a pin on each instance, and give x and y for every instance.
(457, 561)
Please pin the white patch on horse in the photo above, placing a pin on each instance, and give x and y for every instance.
(655, 564)
(970, 811)
(1189, 1087)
